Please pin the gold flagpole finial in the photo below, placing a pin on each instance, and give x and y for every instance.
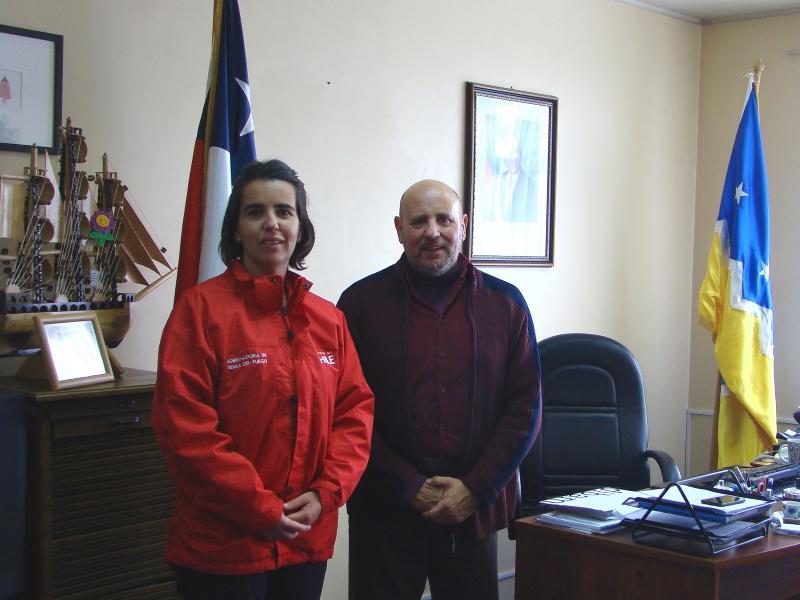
(758, 68)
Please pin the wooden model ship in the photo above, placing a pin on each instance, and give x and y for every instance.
(63, 251)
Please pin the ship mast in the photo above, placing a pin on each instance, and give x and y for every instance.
(69, 284)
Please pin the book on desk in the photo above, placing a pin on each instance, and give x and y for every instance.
(600, 503)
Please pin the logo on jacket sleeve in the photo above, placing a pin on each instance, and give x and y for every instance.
(327, 358)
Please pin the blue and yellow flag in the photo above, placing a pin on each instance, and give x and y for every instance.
(735, 301)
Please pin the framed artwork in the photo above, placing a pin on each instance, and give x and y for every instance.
(510, 176)
(74, 349)
(30, 89)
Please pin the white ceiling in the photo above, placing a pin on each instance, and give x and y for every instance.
(716, 11)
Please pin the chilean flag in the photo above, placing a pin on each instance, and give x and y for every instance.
(225, 143)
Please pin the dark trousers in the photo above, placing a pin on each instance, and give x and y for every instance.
(393, 556)
(297, 582)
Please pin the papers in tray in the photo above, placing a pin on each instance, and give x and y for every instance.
(581, 523)
(787, 529)
(673, 503)
(719, 532)
(600, 503)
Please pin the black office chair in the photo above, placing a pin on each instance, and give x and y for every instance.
(594, 422)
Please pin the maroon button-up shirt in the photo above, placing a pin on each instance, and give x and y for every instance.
(440, 360)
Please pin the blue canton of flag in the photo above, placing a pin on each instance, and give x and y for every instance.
(735, 301)
(225, 143)
(745, 207)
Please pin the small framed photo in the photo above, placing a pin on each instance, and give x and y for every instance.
(510, 176)
(30, 89)
(73, 349)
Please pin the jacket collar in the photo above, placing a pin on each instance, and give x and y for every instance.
(266, 291)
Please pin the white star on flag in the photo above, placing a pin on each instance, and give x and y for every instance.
(250, 126)
(764, 272)
(739, 190)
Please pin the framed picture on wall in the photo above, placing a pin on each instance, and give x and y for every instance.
(30, 89)
(510, 176)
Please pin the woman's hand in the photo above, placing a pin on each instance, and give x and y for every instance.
(304, 509)
(287, 529)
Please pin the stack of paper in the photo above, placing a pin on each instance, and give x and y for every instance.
(596, 511)
(588, 524)
(674, 503)
(603, 503)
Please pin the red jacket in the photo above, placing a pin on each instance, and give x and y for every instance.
(251, 409)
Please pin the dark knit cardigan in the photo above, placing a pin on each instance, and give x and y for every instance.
(505, 404)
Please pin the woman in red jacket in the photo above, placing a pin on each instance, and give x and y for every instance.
(261, 409)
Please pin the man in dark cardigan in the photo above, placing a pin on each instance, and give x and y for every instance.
(450, 353)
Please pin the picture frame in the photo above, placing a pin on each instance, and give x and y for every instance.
(510, 176)
(73, 349)
(30, 89)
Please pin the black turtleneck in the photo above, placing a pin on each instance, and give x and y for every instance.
(435, 290)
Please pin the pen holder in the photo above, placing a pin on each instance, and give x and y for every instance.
(794, 451)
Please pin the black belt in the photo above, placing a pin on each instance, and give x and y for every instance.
(449, 466)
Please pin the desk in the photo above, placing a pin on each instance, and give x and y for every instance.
(553, 562)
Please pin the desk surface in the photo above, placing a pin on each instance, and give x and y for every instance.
(130, 381)
(553, 562)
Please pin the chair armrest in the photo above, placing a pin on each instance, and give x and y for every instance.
(666, 464)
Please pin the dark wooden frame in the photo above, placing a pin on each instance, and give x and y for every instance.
(509, 222)
(49, 355)
(52, 145)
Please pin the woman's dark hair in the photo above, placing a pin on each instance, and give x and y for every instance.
(229, 248)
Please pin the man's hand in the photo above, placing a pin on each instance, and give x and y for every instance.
(427, 497)
(458, 502)
(304, 509)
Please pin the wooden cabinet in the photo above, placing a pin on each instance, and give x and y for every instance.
(99, 496)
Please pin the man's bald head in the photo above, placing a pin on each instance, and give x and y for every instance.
(432, 226)
(427, 188)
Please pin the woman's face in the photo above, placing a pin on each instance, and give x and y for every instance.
(268, 226)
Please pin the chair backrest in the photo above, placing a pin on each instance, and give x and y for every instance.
(594, 420)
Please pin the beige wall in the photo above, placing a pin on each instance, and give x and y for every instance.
(728, 51)
(364, 98)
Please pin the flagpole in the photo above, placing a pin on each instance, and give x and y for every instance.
(216, 37)
(715, 428)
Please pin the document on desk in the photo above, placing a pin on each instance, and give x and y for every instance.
(581, 523)
(604, 503)
(722, 532)
(673, 502)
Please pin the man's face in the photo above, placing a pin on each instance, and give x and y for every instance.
(431, 227)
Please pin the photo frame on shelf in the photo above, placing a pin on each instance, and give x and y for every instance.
(73, 349)
(30, 89)
(510, 176)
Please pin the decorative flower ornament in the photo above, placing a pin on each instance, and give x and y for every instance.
(102, 227)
